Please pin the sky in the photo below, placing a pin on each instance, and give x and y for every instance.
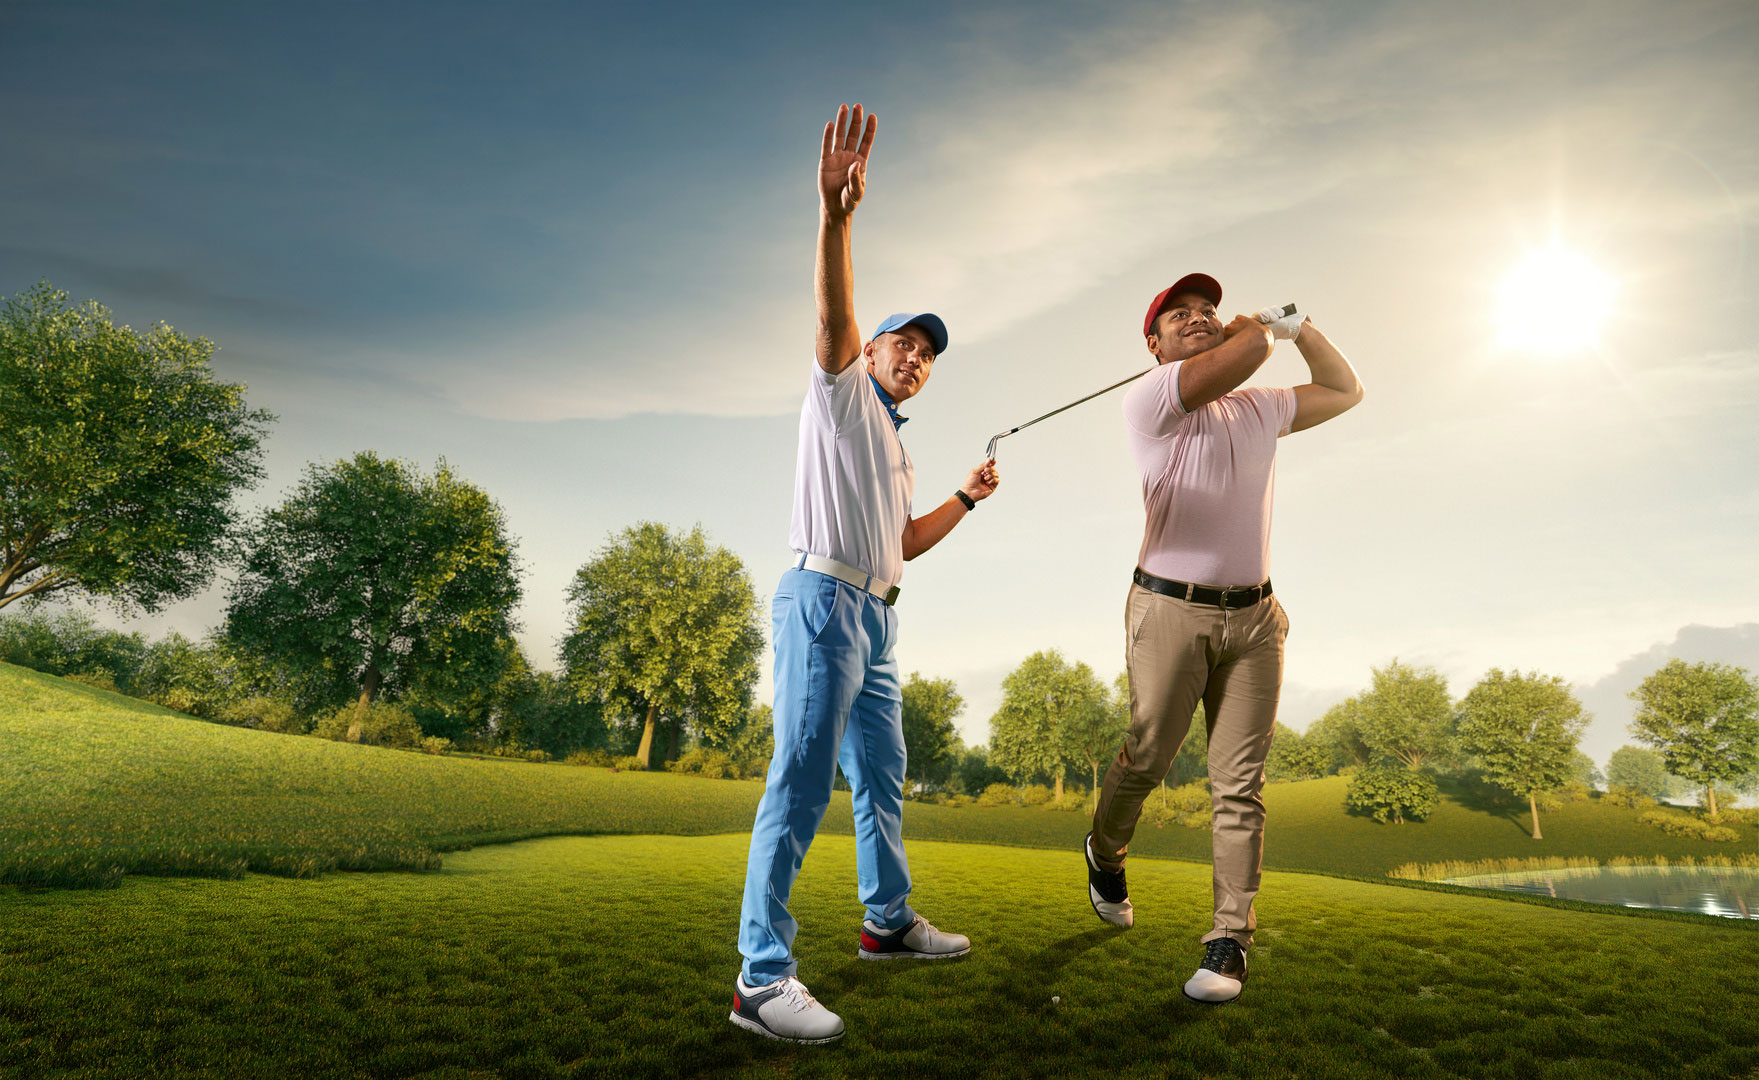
(568, 249)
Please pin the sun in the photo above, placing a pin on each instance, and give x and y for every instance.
(1553, 300)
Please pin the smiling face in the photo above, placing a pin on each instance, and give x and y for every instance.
(901, 361)
(1187, 327)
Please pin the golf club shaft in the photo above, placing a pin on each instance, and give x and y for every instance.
(990, 452)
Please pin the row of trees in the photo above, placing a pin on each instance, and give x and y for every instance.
(121, 461)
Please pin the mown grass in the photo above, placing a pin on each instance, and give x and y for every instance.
(611, 956)
(94, 785)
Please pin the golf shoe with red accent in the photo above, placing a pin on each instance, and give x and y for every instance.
(917, 941)
(784, 1010)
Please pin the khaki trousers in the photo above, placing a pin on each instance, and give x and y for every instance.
(1180, 653)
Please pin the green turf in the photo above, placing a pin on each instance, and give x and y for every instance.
(95, 784)
(613, 956)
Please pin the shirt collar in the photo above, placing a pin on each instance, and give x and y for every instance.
(886, 400)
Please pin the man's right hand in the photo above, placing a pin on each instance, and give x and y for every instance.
(842, 161)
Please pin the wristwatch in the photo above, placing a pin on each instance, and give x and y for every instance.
(970, 503)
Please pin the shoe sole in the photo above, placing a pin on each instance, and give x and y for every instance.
(1207, 1001)
(863, 954)
(752, 1025)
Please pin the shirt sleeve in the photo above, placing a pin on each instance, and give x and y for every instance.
(1275, 404)
(835, 399)
(1152, 407)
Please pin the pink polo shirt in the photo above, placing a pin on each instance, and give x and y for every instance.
(1207, 478)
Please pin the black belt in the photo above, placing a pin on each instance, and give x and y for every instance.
(1233, 596)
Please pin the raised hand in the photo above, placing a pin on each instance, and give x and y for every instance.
(842, 161)
(981, 482)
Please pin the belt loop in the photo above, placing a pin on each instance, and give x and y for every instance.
(801, 561)
(1188, 588)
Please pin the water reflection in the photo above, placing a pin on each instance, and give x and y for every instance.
(1732, 892)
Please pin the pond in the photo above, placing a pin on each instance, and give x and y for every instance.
(1732, 892)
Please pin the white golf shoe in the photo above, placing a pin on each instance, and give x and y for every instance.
(784, 1010)
(1108, 892)
(917, 941)
(1222, 974)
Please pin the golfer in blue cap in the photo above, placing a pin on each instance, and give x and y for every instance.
(834, 625)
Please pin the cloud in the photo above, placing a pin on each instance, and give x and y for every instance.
(144, 283)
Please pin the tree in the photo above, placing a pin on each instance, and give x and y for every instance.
(1191, 763)
(974, 771)
(119, 455)
(1704, 718)
(1091, 735)
(1340, 732)
(930, 705)
(1639, 770)
(752, 743)
(1523, 730)
(1046, 704)
(1406, 715)
(1296, 757)
(381, 578)
(665, 627)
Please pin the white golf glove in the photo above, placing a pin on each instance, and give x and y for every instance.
(1281, 327)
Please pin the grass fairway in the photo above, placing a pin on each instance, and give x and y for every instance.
(611, 956)
(94, 785)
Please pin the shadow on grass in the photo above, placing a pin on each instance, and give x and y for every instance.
(1487, 799)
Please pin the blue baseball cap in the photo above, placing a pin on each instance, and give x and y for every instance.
(937, 330)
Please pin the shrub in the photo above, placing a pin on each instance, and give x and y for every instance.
(1620, 795)
(1572, 791)
(265, 713)
(628, 764)
(379, 724)
(435, 744)
(1676, 823)
(1188, 805)
(536, 757)
(1072, 800)
(1737, 817)
(1034, 795)
(97, 680)
(1392, 794)
(588, 757)
(703, 761)
(999, 795)
(958, 800)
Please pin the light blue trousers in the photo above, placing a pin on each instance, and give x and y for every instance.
(837, 703)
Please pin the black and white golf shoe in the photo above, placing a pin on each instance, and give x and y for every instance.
(1107, 892)
(917, 941)
(784, 1010)
(1221, 976)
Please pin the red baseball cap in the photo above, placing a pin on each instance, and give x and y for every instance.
(1201, 284)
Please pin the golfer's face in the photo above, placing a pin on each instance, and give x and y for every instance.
(1187, 327)
(902, 360)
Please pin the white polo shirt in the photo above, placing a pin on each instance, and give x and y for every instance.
(852, 479)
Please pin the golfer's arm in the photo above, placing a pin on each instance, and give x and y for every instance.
(1209, 375)
(838, 342)
(925, 532)
(1335, 389)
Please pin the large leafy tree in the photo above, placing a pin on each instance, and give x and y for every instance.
(1406, 715)
(381, 579)
(666, 629)
(930, 707)
(1047, 712)
(1523, 728)
(120, 455)
(1704, 718)
(1092, 732)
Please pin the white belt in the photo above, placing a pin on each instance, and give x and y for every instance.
(858, 578)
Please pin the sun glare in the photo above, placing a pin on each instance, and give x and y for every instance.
(1553, 300)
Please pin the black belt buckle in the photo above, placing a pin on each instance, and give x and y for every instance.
(891, 597)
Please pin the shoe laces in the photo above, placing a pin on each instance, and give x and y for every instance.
(1218, 952)
(798, 996)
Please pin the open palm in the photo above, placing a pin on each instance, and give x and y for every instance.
(842, 161)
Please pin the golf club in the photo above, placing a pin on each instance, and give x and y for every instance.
(989, 454)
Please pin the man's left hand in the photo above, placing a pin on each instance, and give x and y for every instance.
(982, 481)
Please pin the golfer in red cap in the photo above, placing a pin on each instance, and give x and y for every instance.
(1201, 623)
